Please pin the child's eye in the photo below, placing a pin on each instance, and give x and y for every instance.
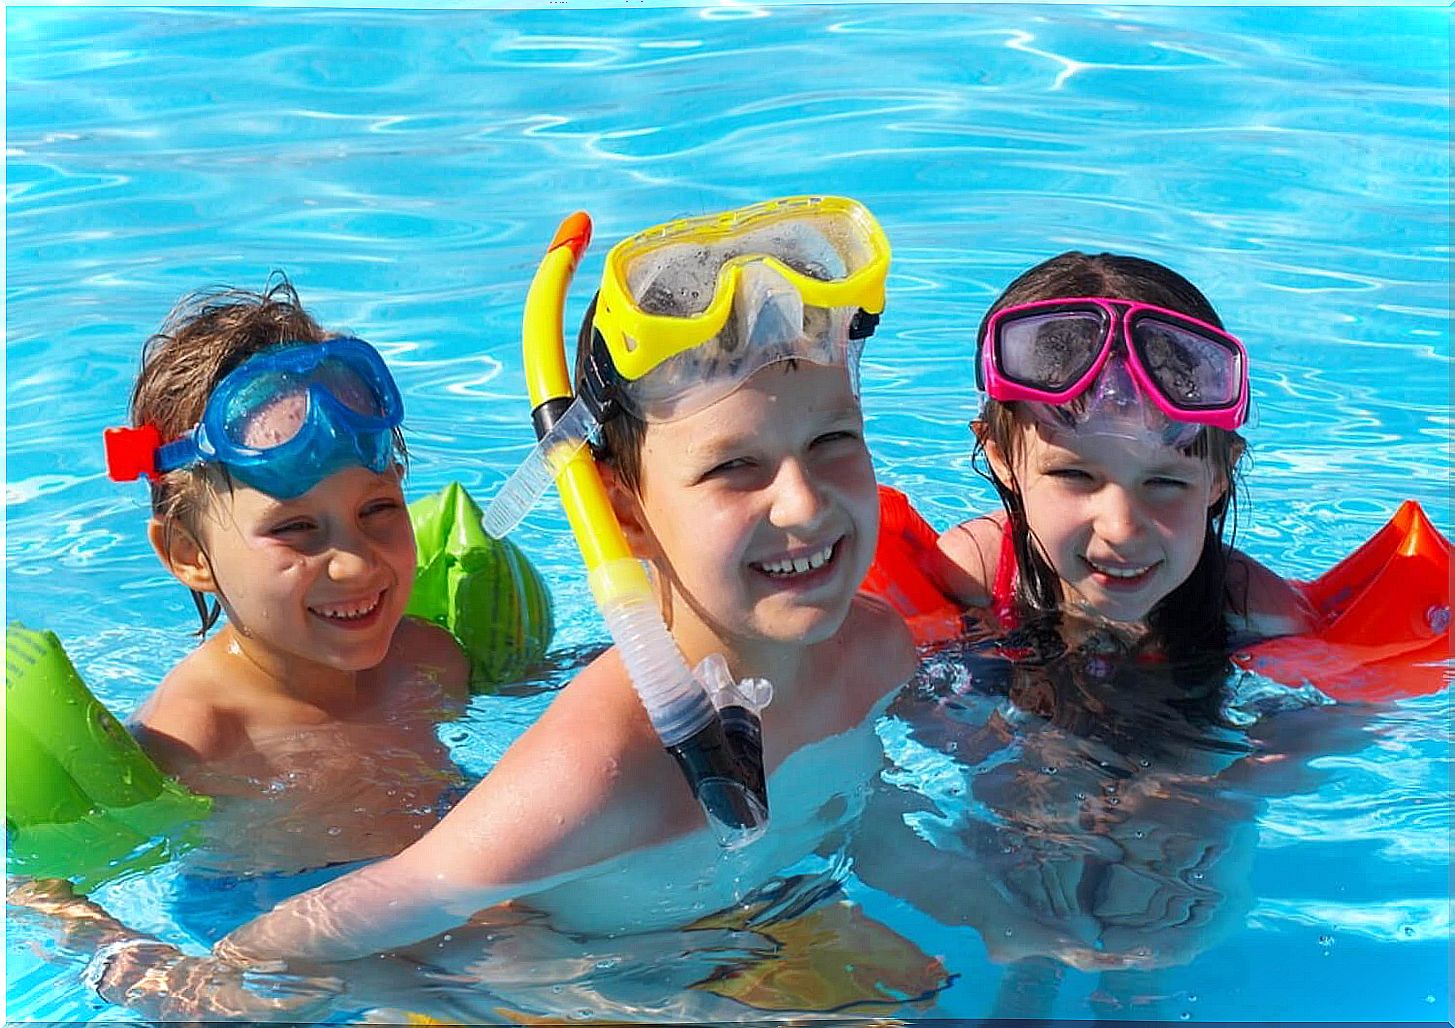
(384, 506)
(1069, 474)
(728, 466)
(1169, 483)
(294, 526)
(836, 437)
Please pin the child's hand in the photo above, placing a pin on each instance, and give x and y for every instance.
(78, 923)
(160, 982)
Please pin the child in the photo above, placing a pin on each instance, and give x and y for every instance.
(274, 455)
(738, 470)
(1112, 401)
(277, 494)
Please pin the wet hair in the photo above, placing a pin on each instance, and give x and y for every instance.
(1192, 618)
(206, 335)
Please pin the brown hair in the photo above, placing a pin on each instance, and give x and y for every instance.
(1192, 617)
(206, 335)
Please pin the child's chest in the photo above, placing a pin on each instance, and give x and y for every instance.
(338, 791)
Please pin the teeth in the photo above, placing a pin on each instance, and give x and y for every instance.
(1120, 572)
(799, 565)
(349, 613)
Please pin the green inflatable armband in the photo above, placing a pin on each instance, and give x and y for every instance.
(483, 590)
(82, 801)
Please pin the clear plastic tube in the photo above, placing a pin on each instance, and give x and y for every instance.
(674, 699)
(529, 482)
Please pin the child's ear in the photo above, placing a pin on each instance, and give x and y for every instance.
(1220, 478)
(999, 465)
(182, 555)
(627, 507)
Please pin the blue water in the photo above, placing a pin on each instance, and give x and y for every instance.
(406, 169)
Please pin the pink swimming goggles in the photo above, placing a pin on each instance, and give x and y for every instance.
(1069, 355)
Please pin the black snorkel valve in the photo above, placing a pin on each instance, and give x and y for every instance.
(709, 722)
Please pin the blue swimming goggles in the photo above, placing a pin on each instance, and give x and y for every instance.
(281, 422)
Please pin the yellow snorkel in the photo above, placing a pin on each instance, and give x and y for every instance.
(706, 721)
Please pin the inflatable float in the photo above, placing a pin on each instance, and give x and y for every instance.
(1384, 610)
(84, 802)
(483, 590)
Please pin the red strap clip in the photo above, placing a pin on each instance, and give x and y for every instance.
(131, 452)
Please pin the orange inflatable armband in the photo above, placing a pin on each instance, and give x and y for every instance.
(1385, 613)
(902, 574)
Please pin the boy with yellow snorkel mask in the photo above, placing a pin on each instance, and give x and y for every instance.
(720, 368)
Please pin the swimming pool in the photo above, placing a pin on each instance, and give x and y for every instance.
(406, 169)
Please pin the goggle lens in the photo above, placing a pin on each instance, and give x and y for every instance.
(267, 412)
(1050, 351)
(1192, 370)
(272, 407)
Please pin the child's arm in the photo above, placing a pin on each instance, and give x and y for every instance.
(588, 781)
(428, 648)
(970, 553)
(1265, 604)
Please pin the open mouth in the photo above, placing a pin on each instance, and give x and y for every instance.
(1121, 574)
(801, 565)
(352, 613)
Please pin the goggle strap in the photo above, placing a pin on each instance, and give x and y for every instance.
(600, 388)
(863, 325)
(176, 454)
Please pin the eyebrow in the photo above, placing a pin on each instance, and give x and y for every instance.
(828, 416)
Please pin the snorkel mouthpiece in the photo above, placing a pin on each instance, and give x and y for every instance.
(720, 753)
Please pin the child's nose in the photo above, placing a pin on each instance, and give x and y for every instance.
(1118, 518)
(351, 557)
(798, 502)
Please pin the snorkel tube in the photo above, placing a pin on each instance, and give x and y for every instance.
(709, 723)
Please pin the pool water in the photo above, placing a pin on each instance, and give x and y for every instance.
(406, 170)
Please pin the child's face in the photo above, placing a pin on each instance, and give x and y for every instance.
(764, 506)
(323, 577)
(1122, 523)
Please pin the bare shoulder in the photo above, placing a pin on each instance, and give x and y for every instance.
(1263, 602)
(972, 549)
(425, 647)
(876, 643)
(188, 720)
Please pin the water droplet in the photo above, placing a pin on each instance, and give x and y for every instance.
(1048, 770)
(1186, 1015)
(1009, 932)
(1140, 834)
(1409, 931)
(335, 830)
(1439, 617)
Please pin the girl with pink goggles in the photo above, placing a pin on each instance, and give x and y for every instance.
(1096, 363)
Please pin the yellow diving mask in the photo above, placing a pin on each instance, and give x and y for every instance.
(688, 311)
